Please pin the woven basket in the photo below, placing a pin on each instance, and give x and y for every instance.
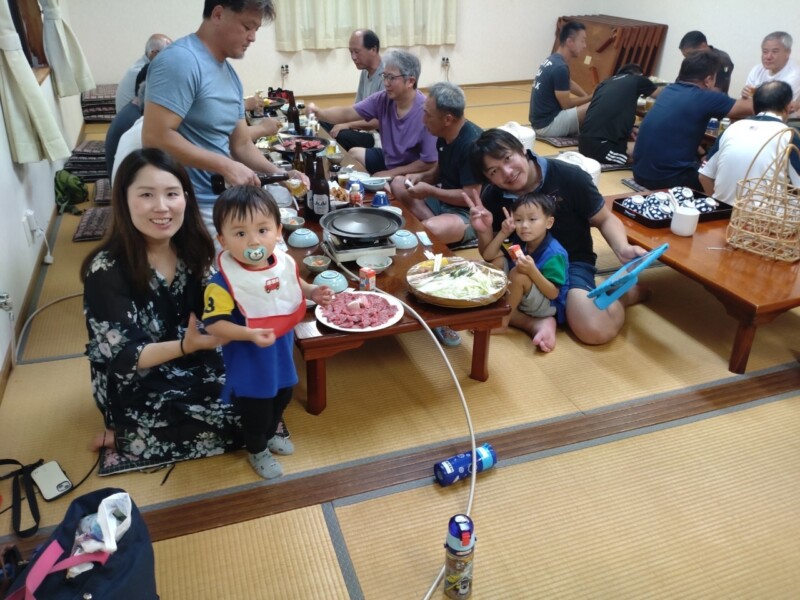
(766, 213)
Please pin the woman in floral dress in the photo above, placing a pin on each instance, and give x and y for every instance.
(155, 376)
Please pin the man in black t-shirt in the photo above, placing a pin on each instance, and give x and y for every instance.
(612, 112)
(695, 41)
(501, 161)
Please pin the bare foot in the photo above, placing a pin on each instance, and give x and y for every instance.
(544, 334)
(107, 439)
(635, 295)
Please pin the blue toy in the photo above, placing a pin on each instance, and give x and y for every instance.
(624, 279)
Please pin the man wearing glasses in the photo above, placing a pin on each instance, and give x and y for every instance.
(407, 146)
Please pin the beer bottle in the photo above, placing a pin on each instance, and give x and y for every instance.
(293, 115)
(309, 171)
(321, 191)
(297, 163)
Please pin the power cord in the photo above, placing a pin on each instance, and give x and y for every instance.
(474, 466)
(14, 347)
(48, 258)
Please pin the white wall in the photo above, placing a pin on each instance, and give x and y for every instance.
(320, 72)
(24, 187)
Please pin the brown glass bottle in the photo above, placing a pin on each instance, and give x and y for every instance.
(293, 115)
(320, 191)
(298, 163)
(310, 171)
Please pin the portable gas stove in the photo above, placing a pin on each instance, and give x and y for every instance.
(347, 250)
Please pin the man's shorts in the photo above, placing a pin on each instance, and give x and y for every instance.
(581, 276)
(605, 152)
(374, 159)
(565, 124)
(438, 207)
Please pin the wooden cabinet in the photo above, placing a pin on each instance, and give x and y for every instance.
(612, 42)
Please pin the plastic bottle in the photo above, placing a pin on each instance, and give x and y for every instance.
(459, 552)
(356, 194)
(459, 466)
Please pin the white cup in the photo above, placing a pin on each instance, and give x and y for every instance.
(684, 221)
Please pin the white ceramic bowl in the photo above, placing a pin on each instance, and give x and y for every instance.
(291, 224)
(404, 239)
(303, 238)
(374, 184)
(376, 263)
(333, 279)
(317, 263)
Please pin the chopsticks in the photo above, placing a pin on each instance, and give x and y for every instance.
(436, 258)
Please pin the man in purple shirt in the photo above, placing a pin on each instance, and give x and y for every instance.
(407, 146)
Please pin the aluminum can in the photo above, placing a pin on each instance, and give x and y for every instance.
(713, 126)
(459, 552)
(724, 124)
(380, 199)
(459, 466)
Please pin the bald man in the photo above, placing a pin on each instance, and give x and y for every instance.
(125, 90)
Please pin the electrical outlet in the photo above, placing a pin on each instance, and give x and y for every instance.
(30, 219)
(445, 62)
(28, 231)
(284, 69)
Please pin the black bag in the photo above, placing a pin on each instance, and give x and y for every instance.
(127, 574)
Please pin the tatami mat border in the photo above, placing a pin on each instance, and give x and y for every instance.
(346, 566)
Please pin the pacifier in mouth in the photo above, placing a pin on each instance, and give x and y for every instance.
(255, 254)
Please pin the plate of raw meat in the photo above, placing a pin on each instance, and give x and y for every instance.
(360, 312)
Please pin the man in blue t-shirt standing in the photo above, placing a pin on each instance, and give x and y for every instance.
(554, 111)
(194, 107)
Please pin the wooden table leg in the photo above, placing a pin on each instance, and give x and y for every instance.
(742, 343)
(316, 385)
(480, 354)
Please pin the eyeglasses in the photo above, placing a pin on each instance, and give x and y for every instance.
(389, 77)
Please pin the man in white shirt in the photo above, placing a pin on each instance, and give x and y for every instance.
(740, 145)
(776, 50)
(125, 89)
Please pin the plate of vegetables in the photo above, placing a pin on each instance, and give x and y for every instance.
(459, 283)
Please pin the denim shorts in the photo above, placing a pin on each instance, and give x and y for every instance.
(581, 276)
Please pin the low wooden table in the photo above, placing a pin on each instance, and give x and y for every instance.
(317, 342)
(753, 290)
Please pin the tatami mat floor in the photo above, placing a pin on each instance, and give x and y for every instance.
(613, 518)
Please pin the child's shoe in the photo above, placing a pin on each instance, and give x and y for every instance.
(265, 464)
(281, 443)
